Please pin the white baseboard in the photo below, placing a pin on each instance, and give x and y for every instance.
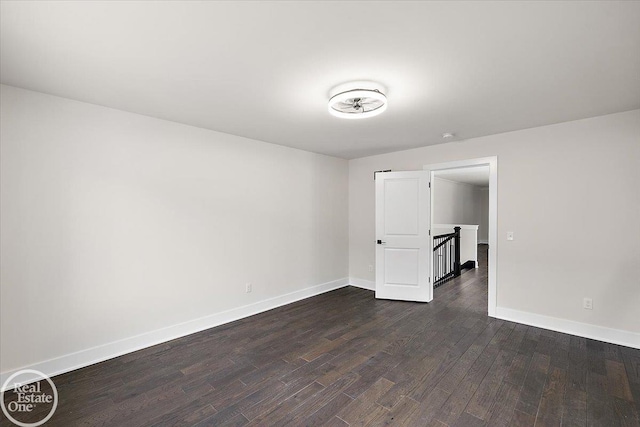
(363, 284)
(90, 356)
(600, 333)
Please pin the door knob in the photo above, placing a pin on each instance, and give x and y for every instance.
(380, 242)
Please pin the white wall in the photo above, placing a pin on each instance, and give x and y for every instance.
(116, 224)
(483, 229)
(456, 202)
(570, 194)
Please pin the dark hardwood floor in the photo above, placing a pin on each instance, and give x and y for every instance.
(344, 358)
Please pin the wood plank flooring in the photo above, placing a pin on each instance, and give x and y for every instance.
(346, 359)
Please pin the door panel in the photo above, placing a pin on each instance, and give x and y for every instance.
(401, 266)
(401, 206)
(402, 236)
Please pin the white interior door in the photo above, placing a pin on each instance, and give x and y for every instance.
(402, 236)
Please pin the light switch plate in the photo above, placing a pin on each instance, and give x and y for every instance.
(509, 235)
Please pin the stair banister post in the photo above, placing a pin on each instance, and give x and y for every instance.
(456, 265)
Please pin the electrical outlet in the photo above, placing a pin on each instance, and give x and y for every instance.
(587, 304)
(248, 287)
(509, 235)
(370, 267)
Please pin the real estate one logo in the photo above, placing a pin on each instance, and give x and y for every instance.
(29, 398)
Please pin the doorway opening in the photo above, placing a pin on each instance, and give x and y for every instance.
(460, 200)
(447, 213)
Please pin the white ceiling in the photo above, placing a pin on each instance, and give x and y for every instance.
(474, 175)
(264, 69)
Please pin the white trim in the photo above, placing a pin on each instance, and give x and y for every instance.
(362, 283)
(462, 226)
(594, 332)
(476, 186)
(90, 356)
(493, 218)
(456, 164)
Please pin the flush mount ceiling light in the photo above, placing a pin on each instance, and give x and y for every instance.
(357, 102)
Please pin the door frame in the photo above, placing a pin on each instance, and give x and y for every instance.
(492, 162)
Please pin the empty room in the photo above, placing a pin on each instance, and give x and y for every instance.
(319, 213)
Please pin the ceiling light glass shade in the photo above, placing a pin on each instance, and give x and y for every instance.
(358, 103)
